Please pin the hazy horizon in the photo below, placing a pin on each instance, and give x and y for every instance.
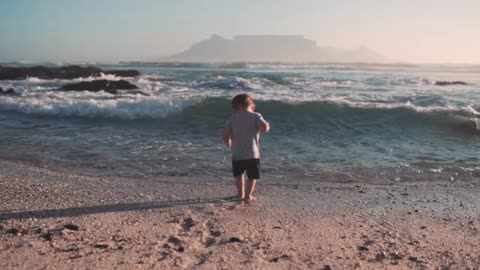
(111, 31)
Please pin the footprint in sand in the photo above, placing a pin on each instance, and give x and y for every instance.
(210, 241)
(213, 233)
(188, 223)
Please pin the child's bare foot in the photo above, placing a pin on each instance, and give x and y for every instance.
(241, 196)
(251, 198)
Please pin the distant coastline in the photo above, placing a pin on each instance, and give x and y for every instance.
(272, 48)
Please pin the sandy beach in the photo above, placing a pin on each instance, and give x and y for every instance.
(55, 220)
(124, 123)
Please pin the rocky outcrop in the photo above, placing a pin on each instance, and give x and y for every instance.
(123, 73)
(99, 85)
(9, 91)
(443, 83)
(66, 72)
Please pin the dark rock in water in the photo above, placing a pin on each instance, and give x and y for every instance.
(181, 249)
(327, 267)
(9, 91)
(65, 72)
(98, 85)
(443, 83)
(123, 73)
(71, 227)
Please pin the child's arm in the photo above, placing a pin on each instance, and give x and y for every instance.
(226, 137)
(265, 128)
(262, 124)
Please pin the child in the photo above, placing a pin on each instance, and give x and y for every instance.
(242, 135)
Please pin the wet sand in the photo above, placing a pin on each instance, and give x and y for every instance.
(56, 220)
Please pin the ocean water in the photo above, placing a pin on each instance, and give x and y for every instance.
(330, 122)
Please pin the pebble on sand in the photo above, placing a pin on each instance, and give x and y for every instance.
(235, 240)
(363, 248)
(174, 240)
(13, 231)
(101, 246)
(71, 227)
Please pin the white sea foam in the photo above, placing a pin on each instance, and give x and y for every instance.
(96, 105)
(151, 86)
(110, 77)
(471, 110)
(37, 80)
(439, 170)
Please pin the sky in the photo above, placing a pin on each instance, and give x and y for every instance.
(419, 31)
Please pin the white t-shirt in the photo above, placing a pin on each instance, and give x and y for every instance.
(245, 129)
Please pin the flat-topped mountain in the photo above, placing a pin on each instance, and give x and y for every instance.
(265, 48)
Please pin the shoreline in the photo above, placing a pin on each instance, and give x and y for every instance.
(55, 220)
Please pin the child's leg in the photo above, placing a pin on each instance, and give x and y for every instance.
(240, 183)
(250, 188)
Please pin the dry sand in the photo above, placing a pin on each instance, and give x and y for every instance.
(55, 220)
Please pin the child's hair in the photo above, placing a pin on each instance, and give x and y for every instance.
(242, 101)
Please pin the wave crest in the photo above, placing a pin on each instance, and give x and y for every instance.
(127, 107)
(311, 113)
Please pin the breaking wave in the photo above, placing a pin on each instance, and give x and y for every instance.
(311, 113)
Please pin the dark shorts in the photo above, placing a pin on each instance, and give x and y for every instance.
(252, 166)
